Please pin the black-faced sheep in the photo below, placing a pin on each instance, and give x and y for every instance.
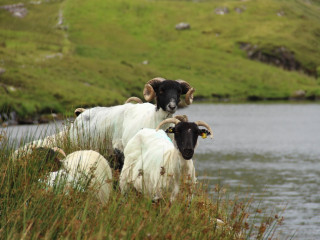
(154, 163)
(117, 125)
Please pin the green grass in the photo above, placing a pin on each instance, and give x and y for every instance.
(31, 210)
(95, 57)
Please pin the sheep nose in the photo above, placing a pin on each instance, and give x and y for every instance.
(188, 152)
(172, 105)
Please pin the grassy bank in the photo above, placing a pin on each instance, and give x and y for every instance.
(71, 53)
(31, 210)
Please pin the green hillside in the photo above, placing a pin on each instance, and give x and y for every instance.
(71, 53)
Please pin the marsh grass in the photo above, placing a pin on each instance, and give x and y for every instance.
(29, 209)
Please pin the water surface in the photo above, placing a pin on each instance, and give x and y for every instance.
(269, 150)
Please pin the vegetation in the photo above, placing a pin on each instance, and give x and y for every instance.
(71, 53)
(32, 210)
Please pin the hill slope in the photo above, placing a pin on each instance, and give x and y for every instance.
(66, 54)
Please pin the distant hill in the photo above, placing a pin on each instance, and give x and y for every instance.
(59, 55)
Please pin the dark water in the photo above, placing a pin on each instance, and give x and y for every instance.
(271, 151)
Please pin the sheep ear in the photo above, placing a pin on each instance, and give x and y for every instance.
(204, 133)
(170, 130)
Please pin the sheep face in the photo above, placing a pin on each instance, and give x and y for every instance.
(168, 95)
(186, 137)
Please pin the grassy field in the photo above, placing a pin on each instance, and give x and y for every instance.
(71, 53)
(32, 210)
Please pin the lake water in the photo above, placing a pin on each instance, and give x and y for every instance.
(270, 151)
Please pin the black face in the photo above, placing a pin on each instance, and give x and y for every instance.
(168, 95)
(186, 137)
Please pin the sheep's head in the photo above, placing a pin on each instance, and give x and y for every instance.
(186, 134)
(167, 93)
(78, 111)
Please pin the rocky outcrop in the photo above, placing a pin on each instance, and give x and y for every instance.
(17, 10)
(277, 56)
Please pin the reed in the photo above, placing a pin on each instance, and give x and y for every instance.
(29, 209)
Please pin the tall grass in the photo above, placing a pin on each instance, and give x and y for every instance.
(29, 209)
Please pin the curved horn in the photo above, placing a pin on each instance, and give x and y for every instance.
(182, 118)
(134, 99)
(206, 125)
(59, 150)
(148, 91)
(189, 96)
(168, 120)
(188, 90)
(78, 111)
(156, 80)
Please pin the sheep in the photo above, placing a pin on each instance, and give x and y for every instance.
(153, 162)
(85, 166)
(118, 124)
(123, 121)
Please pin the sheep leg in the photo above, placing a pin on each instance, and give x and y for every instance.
(175, 191)
(118, 160)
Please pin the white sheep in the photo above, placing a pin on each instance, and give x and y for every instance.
(154, 163)
(85, 167)
(120, 123)
(117, 125)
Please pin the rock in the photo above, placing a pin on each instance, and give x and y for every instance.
(299, 94)
(60, 18)
(280, 13)
(8, 119)
(35, 2)
(278, 56)
(11, 89)
(2, 71)
(240, 9)
(221, 10)
(17, 10)
(182, 26)
(145, 62)
(55, 55)
(87, 84)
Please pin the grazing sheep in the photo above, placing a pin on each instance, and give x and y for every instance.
(117, 125)
(87, 167)
(153, 162)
